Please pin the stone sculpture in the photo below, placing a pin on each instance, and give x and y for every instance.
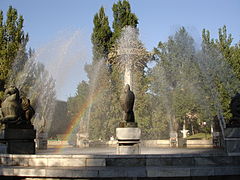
(127, 103)
(18, 134)
(16, 112)
(128, 134)
(235, 110)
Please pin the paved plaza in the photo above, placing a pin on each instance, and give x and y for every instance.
(144, 150)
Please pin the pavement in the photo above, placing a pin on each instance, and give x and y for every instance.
(144, 150)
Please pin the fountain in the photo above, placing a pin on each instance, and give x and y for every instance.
(160, 163)
(82, 139)
(130, 54)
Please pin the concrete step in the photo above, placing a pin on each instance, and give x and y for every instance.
(187, 160)
(118, 172)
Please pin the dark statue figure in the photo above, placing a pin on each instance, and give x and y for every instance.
(235, 110)
(127, 103)
(16, 112)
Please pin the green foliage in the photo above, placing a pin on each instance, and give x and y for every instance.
(101, 35)
(199, 136)
(103, 112)
(228, 66)
(177, 85)
(184, 86)
(194, 86)
(122, 17)
(75, 106)
(12, 44)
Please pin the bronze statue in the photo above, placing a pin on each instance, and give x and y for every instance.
(16, 113)
(235, 110)
(127, 103)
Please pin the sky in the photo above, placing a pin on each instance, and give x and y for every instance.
(60, 30)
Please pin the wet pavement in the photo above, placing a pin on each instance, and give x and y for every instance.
(144, 150)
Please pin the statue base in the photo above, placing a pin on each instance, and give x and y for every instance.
(128, 140)
(18, 141)
(82, 140)
(232, 140)
(41, 140)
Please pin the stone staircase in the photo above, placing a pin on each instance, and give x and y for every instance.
(119, 166)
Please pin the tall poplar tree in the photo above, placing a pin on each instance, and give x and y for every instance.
(122, 17)
(13, 42)
(101, 35)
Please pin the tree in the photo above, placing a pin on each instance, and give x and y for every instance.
(104, 85)
(101, 35)
(13, 43)
(122, 17)
(75, 105)
(175, 82)
(223, 70)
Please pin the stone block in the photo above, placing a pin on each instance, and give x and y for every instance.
(128, 133)
(126, 162)
(224, 171)
(3, 148)
(96, 162)
(38, 162)
(53, 162)
(21, 147)
(204, 161)
(28, 172)
(1, 135)
(6, 171)
(113, 172)
(202, 171)
(5, 160)
(232, 132)
(42, 143)
(66, 162)
(159, 162)
(19, 134)
(86, 173)
(167, 172)
(224, 160)
(232, 146)
(167, 161)
(136, 172)
(55, 173)
(20, 161)
(132, 149)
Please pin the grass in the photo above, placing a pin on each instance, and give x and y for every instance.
(199, 136)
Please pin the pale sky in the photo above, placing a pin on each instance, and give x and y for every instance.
(60, 30)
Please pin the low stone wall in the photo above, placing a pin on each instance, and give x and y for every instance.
(199, 143)
(57, 143)
(182, 143)
(155, 143)
(144, 143)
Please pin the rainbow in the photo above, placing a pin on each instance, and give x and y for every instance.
(77, 118)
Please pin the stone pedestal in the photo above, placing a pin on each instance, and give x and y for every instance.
(128, 140)
(18, 141)
(42, 140)
(232, 140)
(173, 139)
(82, 140)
